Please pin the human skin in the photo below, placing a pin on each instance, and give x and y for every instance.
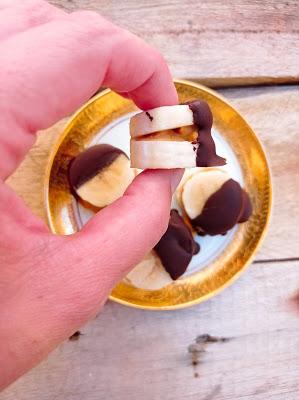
(51, 63)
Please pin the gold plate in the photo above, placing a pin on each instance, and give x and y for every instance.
(107, 107)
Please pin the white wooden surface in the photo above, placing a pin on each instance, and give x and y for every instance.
(220, 42)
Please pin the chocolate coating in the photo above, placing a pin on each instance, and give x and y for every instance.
(177, 246)
(88, 163)
(224, 209)
(203, 120)
(247, 208)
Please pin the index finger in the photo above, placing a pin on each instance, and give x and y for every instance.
(51, 70)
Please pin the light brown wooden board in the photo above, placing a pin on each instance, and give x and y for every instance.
(128, 354)
(218, 42)
(273, 114)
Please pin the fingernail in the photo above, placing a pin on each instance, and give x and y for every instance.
(175, 178)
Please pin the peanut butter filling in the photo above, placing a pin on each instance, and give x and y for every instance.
(183, 134)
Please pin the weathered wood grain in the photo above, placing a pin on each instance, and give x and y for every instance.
(272, 112)
(217, 42)
(133, 354)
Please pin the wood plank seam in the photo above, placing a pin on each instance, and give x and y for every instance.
(275, 260)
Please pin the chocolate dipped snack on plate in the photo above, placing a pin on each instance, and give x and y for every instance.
(177, 246)
(100, 174)
(174, 137)
(169, 259)
(214, 202)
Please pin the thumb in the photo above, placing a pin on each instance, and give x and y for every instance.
(119, 236)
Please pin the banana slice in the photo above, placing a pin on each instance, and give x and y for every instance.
(100, 174)
(159, 119)
(174, 137)
(149, 273)
(179, 190)
(148, 154)
(214, 202)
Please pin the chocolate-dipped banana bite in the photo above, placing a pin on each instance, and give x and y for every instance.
(176, 136)
(168, 260)
(177, 246)
(100, 174)
(214, 202)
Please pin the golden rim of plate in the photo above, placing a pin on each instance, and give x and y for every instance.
(108, 106)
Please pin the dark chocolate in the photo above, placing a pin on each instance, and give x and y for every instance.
(203, 120)
(223, 210)
(149, 115)
(88, 163)
(247, 208)
(177, 246)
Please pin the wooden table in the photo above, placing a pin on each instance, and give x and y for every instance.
(243, 343)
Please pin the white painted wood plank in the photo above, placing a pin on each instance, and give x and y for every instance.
(212, 40)
(132, 354)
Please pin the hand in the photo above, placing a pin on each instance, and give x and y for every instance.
(52, 62)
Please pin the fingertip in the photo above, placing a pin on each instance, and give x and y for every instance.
(159, 90)
(170, 177)
(151, 179)
(153, 191)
